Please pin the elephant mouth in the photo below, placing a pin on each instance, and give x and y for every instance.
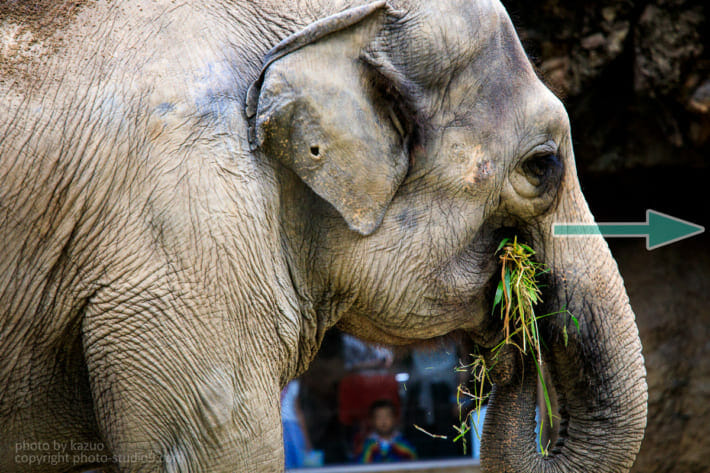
(489, 330)
(511, 362)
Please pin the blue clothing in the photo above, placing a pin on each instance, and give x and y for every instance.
(477, 431)
(294, 438)
(379, 450)
(294, 444)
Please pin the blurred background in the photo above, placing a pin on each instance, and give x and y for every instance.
(635, 78)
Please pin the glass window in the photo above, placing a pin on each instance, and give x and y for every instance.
(360, 403)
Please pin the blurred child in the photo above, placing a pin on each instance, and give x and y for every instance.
(385, 443)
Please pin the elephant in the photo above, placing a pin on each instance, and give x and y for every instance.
(193, 193)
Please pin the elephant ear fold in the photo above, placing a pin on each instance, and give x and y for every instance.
(316, 109)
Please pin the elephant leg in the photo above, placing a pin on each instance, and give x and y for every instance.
(170, 396)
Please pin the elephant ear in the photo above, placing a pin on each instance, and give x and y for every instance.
(317, 109)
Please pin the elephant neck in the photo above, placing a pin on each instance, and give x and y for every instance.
(316, 310)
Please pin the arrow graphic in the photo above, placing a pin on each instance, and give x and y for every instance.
(659, 229)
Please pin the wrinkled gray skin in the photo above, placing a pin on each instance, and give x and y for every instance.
(174, 246)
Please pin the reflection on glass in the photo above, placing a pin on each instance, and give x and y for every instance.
(361, 403)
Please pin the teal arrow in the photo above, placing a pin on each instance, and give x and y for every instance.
(659, 229)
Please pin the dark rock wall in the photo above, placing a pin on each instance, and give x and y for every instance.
(669, 290)
(635, 77)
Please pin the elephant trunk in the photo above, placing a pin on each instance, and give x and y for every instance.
(598, 370)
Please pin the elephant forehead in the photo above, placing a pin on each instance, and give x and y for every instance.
(445, 36)
(465, 22)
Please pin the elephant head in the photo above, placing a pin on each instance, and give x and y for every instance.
(416, 137)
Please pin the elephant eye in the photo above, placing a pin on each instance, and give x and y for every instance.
(541, 167)
(539, 174)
